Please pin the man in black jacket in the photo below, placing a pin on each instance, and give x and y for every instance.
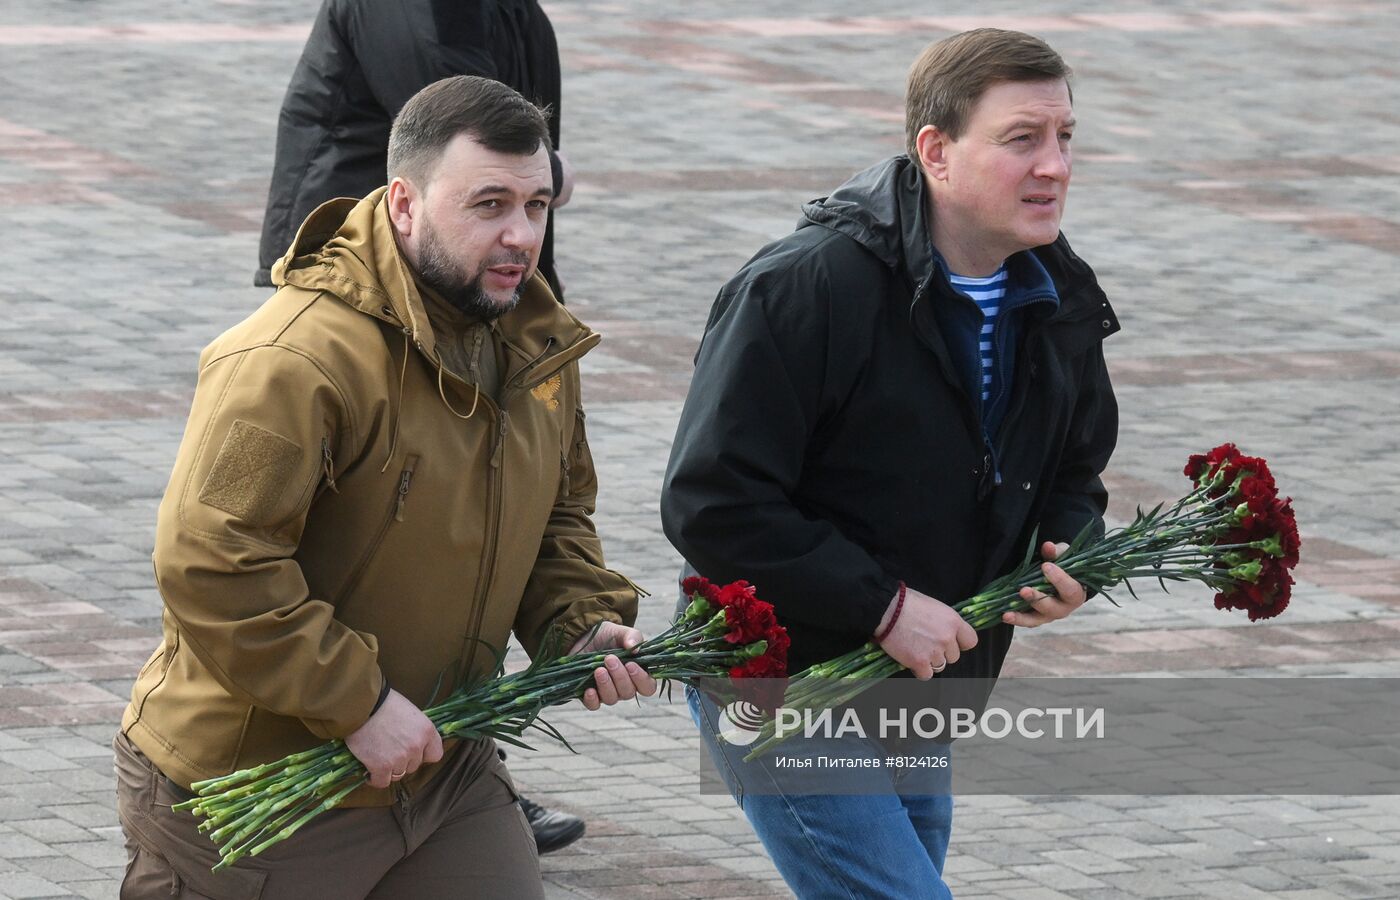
(886, 406)
(362, 62)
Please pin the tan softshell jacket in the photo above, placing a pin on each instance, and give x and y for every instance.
(339, 515)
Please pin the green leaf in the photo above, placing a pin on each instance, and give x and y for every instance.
(553, 732)
(514, 742)
(1031, 547)
(1081, 538)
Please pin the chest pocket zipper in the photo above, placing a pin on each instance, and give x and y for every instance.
(395, 514)
(405, 480)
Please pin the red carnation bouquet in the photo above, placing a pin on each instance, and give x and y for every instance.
(724, 631)
(1257, 540)
(747, 620)
(1231, 532)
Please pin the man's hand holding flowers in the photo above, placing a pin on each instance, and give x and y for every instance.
(614, 680)
(1049, 607)
(923, 634)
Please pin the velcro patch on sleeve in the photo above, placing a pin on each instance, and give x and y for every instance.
(251, 472)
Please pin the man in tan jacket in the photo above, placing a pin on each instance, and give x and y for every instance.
(383, 475)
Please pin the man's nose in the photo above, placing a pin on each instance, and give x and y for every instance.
(519, 233)
(1053, 162)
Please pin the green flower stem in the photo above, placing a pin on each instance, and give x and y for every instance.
(258, 771)
(274, 802)
(241, 847)
(568, 682)
(286, 832)
(1171, 544)
(235, 788)
(248, 811)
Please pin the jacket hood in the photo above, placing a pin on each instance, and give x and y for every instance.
(882, 209)
(347, 248)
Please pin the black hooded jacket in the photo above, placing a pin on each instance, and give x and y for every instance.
(828, 447)
(361, 64)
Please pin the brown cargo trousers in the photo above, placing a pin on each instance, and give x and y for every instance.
(463, 835)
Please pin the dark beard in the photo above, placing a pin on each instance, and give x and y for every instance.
(439, 273)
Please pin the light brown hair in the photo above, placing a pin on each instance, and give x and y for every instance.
(951, 75)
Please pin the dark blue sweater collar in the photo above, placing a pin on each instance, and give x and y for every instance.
(1027, 280)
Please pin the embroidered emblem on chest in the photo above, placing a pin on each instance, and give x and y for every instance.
(545, 392)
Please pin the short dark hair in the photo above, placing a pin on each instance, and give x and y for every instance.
(491, 113)
(951, 75)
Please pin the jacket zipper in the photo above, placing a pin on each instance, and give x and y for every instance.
(1023, 365)
(524, 380)
(536, 371)
(495, 481)
(394, 514)
(991, 460)
(1025, 369)
(988, 474)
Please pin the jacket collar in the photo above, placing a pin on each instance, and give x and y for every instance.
(881, 208)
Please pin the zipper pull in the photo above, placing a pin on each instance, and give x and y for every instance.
(991, 478)
(404, 479)
(500, 439)
(327, 464)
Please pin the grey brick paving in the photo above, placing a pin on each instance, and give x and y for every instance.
(1237, 189)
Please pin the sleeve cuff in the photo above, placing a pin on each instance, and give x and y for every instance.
(383, 695)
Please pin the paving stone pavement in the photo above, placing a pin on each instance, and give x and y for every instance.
(1237, 189)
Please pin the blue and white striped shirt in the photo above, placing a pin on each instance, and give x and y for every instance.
(987, 293)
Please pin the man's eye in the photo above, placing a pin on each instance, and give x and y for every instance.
(1066, 136)
(489, 204)
(538, 204)
(1022, 138)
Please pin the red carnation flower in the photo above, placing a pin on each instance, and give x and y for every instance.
(1259, 493)
(1255, 469)
(1266, 597)
(1201, 464)
(1270, 595)
(749, 619)
(736, 591)
(1281, 519)
(778, 644)
(1226, 599)
(764, 666)
(702, 586)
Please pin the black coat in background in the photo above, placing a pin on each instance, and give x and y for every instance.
(361, 64)
(828, 447)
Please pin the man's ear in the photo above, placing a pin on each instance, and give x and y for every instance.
(932, 146)
(405, 204)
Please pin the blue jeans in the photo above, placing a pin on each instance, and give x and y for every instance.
(874, 845)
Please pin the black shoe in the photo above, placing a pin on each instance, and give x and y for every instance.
(553, 830)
